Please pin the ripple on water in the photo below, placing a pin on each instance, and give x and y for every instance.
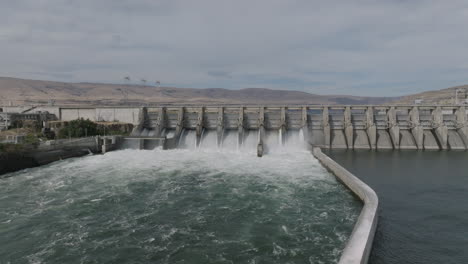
(173, 206)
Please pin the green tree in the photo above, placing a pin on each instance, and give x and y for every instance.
(79, 128)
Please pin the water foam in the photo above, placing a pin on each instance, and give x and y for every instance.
(293, 141)
(205, 205)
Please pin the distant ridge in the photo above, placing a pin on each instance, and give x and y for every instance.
(440, 97)
(23, 91)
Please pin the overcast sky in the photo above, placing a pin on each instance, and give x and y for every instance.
(379, 48)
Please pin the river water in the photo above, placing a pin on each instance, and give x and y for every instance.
(423, 210)
(177, 206)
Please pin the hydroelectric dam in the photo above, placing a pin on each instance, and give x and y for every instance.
(412, 127)
(331, 127)
(185, 184)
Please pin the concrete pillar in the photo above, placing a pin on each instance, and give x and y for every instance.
(371, 127)
(141, 142)
(98, 143)
(160, 122)
(305, 125)
(393, 128)
(240, 125)
(108, 144)
(416, 130)
(462, 124)
(179, 126)
(199, 128)
(440, 129)
(104, 146)
(142, 119)
(261, 132)
(220, 128)
(348, 128)
(326, 126)
(282, 125)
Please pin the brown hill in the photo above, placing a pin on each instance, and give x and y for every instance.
(443, 96)
(21, 91)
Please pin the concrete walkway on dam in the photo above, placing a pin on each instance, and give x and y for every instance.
(422, 196)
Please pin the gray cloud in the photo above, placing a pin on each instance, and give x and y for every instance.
(220, 74)
(348, 47)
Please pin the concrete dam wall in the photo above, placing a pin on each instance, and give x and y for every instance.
(336, 127)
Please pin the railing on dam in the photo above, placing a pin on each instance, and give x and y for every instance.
(336, 127)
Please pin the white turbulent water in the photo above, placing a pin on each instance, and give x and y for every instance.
(293, 141)
(179, 206)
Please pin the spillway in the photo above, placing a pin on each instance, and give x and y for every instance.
(409, 127)
(292, 140)
(200, 204)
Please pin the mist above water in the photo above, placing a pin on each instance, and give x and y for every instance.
(207, 205)
(293, 141)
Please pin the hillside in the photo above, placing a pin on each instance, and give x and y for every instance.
(443, 96)
(21, 91)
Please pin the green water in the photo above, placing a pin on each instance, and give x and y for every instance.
(176, 206)
(423, 214)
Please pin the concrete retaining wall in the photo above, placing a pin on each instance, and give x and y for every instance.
(11, 162)
(45, 154)
(125, 115)
(90, 143)
(359, 245)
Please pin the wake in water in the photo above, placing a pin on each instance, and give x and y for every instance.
(169, 206)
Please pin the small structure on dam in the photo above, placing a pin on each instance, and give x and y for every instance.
(8, 120)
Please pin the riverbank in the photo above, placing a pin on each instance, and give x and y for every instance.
(18, 157)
